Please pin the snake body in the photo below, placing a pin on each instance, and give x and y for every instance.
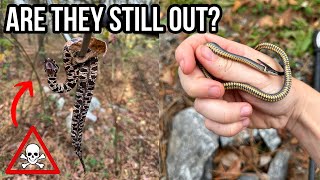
(84, 76)
(261, 66)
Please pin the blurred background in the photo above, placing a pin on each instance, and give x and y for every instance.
(121, 133)
(252, 154)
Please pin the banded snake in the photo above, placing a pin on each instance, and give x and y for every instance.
(261, 66)
(80, 71)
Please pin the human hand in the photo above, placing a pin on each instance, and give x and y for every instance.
(228, 112)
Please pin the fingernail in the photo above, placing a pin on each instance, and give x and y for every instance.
(214, 91)
(246, 122)
(181, 64)
(207, 53)
(245, 111)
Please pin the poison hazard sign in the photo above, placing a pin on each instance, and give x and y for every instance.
(32, 156)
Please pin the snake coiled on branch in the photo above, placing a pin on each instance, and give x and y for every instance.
(80, 71)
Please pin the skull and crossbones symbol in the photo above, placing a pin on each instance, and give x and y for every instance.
(32, 156)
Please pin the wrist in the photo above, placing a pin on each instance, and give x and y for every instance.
(304, 123)
(300, 104)
(306, 109)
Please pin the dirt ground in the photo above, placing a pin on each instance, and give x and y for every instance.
(121, 144)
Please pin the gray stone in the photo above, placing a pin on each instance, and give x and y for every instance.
(94, 104)
(118, 108)
(54, 96)
(191, 146)
(68, 122)
(208, 167)
(248, 176)
(270, 137)
(278, 168)
(239, 139)
(60, 103)
(91, 116)
(46, 89)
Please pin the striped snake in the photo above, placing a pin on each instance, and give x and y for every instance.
(261, 66)
(81, 72)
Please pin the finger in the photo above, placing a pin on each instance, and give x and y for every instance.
(196, 85)
(185, 52)
(221, 111)
(229, 70)
(226, 129)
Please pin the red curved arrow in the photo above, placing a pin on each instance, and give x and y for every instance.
(25, 85)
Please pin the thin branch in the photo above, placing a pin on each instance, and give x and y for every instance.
(32, 66)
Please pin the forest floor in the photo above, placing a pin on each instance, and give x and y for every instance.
(121, 144)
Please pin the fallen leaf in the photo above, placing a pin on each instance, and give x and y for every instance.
(235, 168)
(266, 21)
(167, 77)
(285, 19)
(227, 16)
(292, 2)
(237, 4)
(294, 141)
(229, 158)
(248, 151)
(161, 15)
(274, 3)
(233, 172)
(315, 24)
(1, 57)
(264, 160)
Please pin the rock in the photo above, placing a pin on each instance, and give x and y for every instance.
(46, 89)
(102, 110)
(241, 138)
(191, 146)
(91, 116)
(279, 165)
(118, 108)
(54, 96)
(264, 160)
(60, 103)
(270, 137)
(68, 122)
(208, 167)
(248, 176)
(94, 104)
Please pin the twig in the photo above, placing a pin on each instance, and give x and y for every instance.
(32, 66)
(36, 56)
(115, 124)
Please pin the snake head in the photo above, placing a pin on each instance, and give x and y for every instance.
(50, 67)
(270, 70)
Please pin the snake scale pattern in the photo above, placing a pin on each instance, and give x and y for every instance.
(261, 66)
(84, 75)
